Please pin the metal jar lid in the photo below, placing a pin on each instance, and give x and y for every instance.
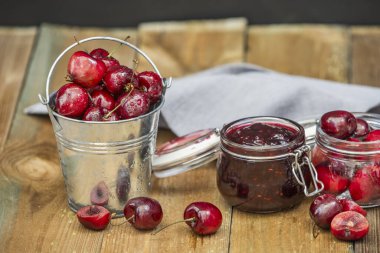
(198, 148)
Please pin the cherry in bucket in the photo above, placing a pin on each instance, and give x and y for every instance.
(143, 213)
(71, 100)
(85, 70)
(94, 217)
(203, 218)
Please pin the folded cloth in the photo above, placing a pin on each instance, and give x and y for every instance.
(220, 95)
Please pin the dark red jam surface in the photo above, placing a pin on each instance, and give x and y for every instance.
(260, 185)
(261, 134)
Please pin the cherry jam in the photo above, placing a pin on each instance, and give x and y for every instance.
(254, 170)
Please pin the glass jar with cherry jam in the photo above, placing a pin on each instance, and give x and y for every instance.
(264, 164)
(347, 155)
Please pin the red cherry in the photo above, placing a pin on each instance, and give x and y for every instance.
(94, 217)
(103, 98)
(117, 78)
(152, 83)
(93, 113)
(86, 70)
(323, 209)
(143, 212)
(349, 226)
(111, 63)
(349, 205)
(362, 128)
(133, 104)
(204, 218)
(363, 187)
(338, 124)
(100, 194)
(71, 100)
(374, 135)
(333, 182)
(113, 116)
(103, 55)
(99, 53)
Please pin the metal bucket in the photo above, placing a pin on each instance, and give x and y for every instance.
(106, 162)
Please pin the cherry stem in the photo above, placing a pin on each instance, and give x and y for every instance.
(122, 102)
(130, 218)
(117, 47)
(159, 230)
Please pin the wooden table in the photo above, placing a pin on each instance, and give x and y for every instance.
(34, 215)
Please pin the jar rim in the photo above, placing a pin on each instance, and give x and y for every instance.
(299, 139)
(349, 147)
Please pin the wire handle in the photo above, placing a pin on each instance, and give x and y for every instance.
(45, 100)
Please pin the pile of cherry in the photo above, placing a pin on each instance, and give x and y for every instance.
(340, 173)
(101, 89)
(145, 213)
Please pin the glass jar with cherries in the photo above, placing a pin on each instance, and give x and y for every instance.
(347, 155)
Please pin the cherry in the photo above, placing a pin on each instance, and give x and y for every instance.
(323, 209)
(349, 205)
(204, 218)
(100, 194)
(94, 217)
(102, 54)
(71, 100)
(332, 181)
(85, 70)
(103, 98)
(363, 186)
(93, 113)
(349, 226)
(99, 53)
(318, 156)
(362, 128)
(132, 104)
(374, 135)
(111, 63)
(143, 212)
(117, 78)
(109, 115)
(338, 124)
(152, 83)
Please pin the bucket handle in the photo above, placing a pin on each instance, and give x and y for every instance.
(45, 100)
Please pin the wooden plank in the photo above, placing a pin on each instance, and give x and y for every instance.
(365, 53)
(289, 231)
(42, 221)
(180, 48)
(15, 48)
(311, 50)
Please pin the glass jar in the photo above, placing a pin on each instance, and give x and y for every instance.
(265, 178)
(350, 169)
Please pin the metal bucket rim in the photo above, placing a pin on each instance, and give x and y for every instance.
(156, 109)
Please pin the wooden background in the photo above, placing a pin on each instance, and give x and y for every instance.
(34, 216)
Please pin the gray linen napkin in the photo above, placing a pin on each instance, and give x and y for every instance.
(220, 95)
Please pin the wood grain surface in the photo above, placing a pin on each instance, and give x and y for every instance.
(319, 51)
(365, 55)
(34, 215)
